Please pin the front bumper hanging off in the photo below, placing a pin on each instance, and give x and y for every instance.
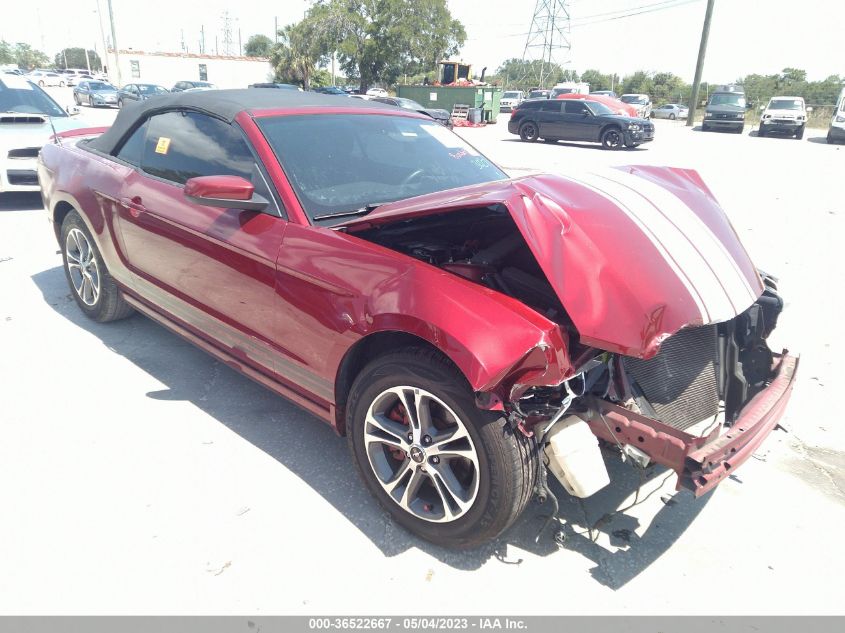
(700, 462)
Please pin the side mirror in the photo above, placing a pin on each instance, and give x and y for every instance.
(72, 110)
(810, 109)
(225, 192)
(762, 108)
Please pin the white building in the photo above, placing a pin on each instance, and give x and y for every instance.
(165, 69)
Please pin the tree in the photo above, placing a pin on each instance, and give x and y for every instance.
(7, 53)
(29, 58)
(597, 80)
(258, 45)
(295, 57)
(379, 40)
(638, 83)
(75, 58)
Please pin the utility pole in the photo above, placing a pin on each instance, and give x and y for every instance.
(202, 39)
(87, 60)
(240, 44)
(114, 43)
(276, 29)
(699, 66)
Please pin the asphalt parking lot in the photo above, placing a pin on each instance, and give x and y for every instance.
(138, 475)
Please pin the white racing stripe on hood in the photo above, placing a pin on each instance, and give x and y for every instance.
(699, 234)
(698, 275)
(601, 189)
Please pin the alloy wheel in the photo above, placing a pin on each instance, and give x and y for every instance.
(612, 139)
(421, 453)
(82, 267)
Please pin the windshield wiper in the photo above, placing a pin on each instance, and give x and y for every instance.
(367, 208)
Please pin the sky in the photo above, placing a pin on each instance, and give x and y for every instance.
(745, 36)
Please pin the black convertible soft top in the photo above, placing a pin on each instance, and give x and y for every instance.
(225, 104)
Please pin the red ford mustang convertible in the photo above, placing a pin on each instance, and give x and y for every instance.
(467, 332)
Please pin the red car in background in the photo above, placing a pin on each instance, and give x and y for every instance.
(459, 326)
(616, 105)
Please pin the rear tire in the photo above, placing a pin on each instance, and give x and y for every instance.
(90, 283)
(761, 132)
(705, 128)
(494, 473)
(672, 116)
(529, 132)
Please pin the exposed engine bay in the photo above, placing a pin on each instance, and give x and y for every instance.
(700, 372)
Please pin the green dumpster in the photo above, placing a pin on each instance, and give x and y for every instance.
(446, 97)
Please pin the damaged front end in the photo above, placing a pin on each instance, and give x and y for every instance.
(658, 320)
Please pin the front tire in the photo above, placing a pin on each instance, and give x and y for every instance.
(612, 138)
(529, 132)
(800, 133)
(445, 470)
(672, 116)
(90, 283)
(90, 101)
(761, 132)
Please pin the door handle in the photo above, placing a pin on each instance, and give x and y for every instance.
(134, 205)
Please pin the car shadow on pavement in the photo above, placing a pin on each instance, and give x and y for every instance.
(310, 449)
(21, 201)
(821, 140)
(584, 145)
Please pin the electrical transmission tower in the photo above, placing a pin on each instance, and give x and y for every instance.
(227, 33)
(548, 43)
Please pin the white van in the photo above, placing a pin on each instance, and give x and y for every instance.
(836, 133)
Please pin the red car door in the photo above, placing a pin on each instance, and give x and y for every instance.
(210, 268)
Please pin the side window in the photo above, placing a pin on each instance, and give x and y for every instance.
(576, 107)
(133, 147)
(182, 145)
(552, 105)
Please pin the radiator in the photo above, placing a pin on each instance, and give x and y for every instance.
(681, 382)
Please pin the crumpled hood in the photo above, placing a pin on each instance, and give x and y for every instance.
(15, 135)
(633, 253)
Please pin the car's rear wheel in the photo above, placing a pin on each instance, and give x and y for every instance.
(61, 84)
(90, 282)
(529, 131)
(445, 470)
(761, 131)
(120, 103)
(612, 138)
(90, 101)
(705, 127)
(41, 82)
(672, 115)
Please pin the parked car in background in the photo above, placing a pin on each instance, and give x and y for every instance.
(139, 92)
(836, 131)
(578, 120)
(725, 110)
(570, 87)
(616, 105)
(181, 86)
(377, 92)
(641, 102)
(443, 117)
(784, 115)
(47, 78)
(28, 116)
(453, 323)
(276, 86)
(670, 111)
(95, 93)
(331, 90)
(510, 99)
(539, 93)
(605, 93)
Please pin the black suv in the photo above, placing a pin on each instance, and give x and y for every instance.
(578, 120)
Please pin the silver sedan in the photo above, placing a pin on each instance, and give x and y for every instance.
(670, 111)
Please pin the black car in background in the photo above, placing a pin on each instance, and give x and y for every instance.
(138, 92)
(331, 90)
(578, 120)
(441, 116)
(275, 86)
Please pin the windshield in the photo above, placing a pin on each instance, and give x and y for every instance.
(99, 85)
(19, 95)
(599, 108)
(409, 104)
(635, 99)
(149, 89)
(510, 95)
(786, 104)
(538, 93)
(728, 98)
(341, 163)
(202, 84)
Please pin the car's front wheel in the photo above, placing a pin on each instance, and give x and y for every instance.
(612, 138)
(90, 282)
(90, 101)
(672, 115)
(529, 131)
(445, 470)
(799, 134)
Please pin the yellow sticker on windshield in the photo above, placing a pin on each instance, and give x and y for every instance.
(163, 145)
